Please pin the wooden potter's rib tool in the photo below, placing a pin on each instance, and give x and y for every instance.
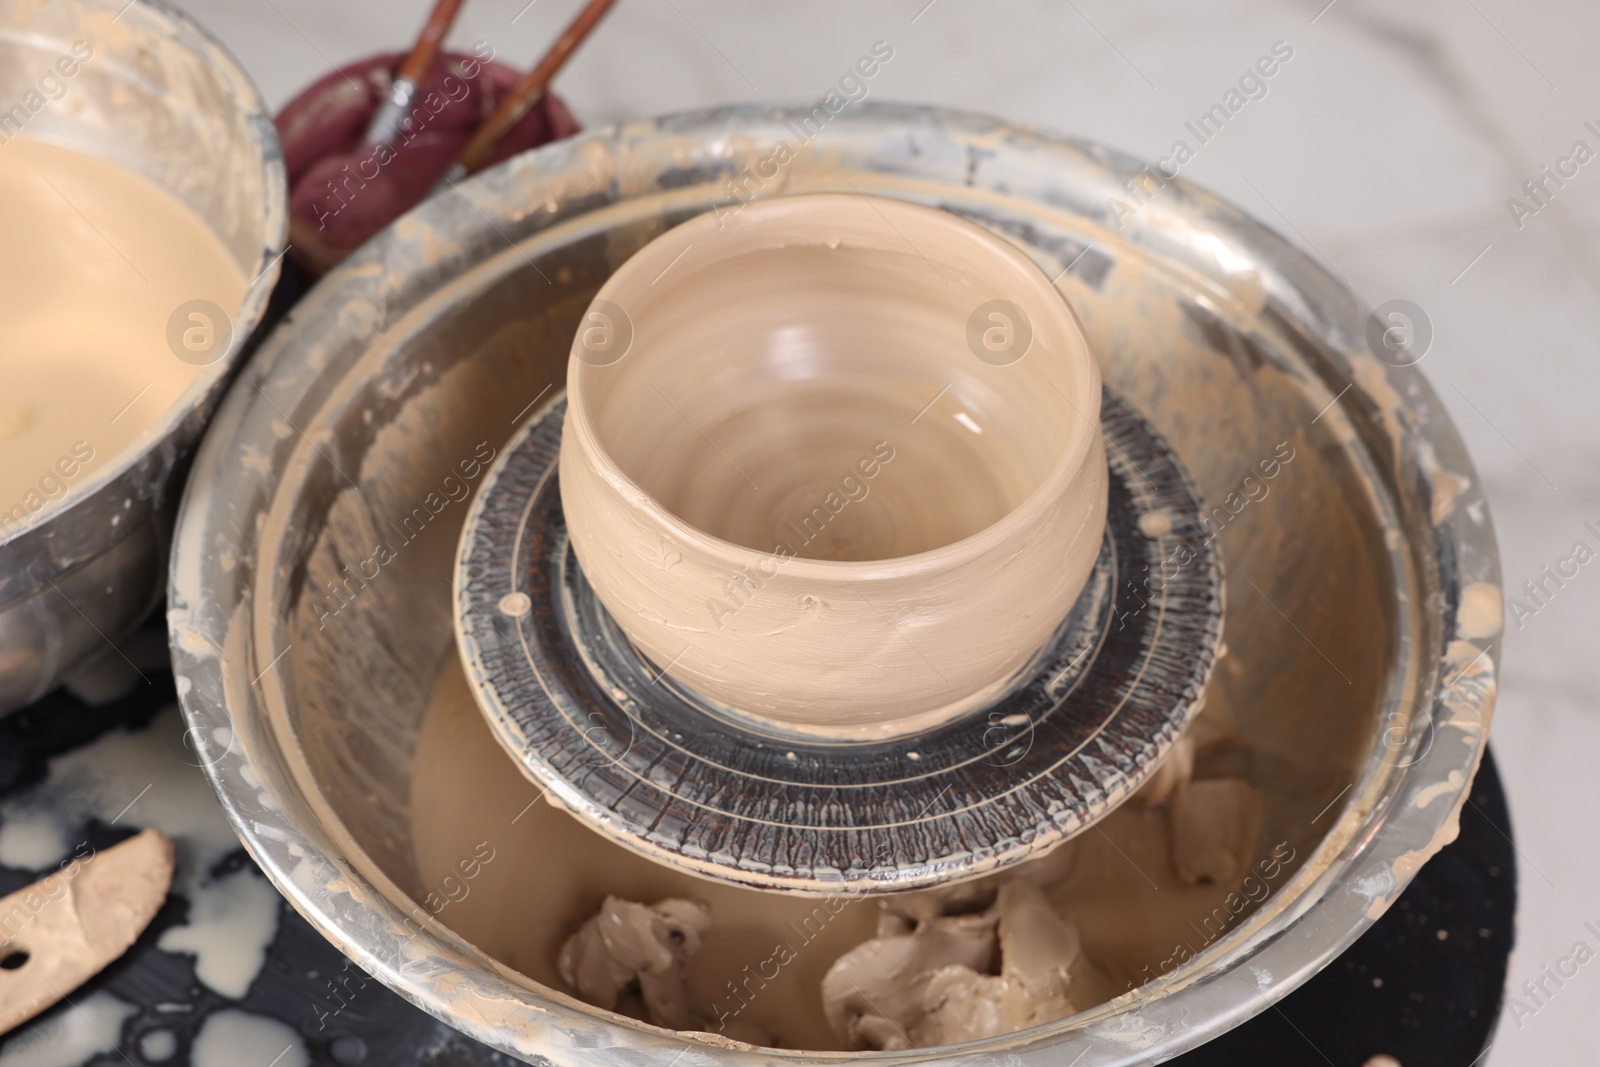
(66, 928)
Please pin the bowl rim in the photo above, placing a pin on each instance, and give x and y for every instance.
(1079, 361)
(1388, 827)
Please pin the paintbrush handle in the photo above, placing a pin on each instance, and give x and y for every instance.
(529, 90)
(391, 113)
(426, 51)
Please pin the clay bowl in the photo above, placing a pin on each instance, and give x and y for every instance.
(311, 603)
(753, 483)
(163, 99)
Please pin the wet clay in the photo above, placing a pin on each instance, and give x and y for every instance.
(834, 463)
(931, 984)
(94, 263)
(1103, 914)
(629, 947)
(936, 973)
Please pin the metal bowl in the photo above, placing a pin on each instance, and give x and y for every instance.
(163, 99)
(1362, 575)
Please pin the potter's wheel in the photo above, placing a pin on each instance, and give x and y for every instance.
(660, 770)
(1228, 342)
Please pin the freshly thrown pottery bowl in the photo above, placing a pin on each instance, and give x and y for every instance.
(833, 462)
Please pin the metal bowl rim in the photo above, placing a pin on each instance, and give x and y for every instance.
(1162, 1021)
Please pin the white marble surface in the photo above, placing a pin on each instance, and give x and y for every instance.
(1388, 145)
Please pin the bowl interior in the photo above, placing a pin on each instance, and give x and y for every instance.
(154, 95)
(141, 88)
(783, 365)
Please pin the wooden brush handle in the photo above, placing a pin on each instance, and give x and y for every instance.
(426, 51)
(532, 86)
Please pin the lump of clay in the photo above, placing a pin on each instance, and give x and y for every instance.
(1038, 949)
(959, 1004)
(1213, 814)
(873, 995)
(1037, 953)
(937, 984)
(628, 946)
(1213, 825)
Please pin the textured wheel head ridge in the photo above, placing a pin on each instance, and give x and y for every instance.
(667, 774)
